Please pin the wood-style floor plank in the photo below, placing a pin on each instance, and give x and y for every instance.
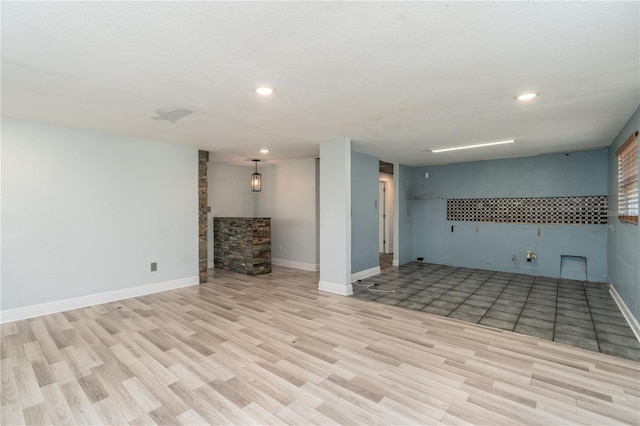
(272, 349)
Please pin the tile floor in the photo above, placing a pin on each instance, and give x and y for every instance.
(572, 312)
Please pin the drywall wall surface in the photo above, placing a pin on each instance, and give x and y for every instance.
(623, 259)
(229, 189)
(364, 212)
(85, 213)
(229, 195)
(335, 217)
(288, 197)
(493, 245)
(403, 242)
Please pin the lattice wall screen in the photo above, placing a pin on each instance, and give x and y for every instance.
(551, 210)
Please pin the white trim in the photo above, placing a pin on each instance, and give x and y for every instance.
(395, 262)
(633, 322)
(335, 288)
(365, 274)
(296, 265)
(93, 299)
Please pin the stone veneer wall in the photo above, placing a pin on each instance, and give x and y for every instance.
(242, 244)
(203, 158)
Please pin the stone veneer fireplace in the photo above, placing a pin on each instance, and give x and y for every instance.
(242, 244)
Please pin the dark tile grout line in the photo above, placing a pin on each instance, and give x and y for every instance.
(524, 304)
(593, 323)
(555, 316)
(496, 299)
(565, 290)
(437, 298)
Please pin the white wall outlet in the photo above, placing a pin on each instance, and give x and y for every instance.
(426, 175)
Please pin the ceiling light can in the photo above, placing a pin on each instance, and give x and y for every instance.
(264, 90)
(527, 96)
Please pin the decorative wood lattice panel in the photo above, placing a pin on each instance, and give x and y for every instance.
(590, 210)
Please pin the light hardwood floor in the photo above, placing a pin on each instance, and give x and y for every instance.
(273, 350)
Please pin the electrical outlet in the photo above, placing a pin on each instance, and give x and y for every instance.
(154, 266)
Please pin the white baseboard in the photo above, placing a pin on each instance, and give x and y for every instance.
(296, 265)
(365, 274)
(633, 322)
(93, 299)
(335, 288)
(395, 262)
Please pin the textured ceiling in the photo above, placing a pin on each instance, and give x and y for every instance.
(396, 78)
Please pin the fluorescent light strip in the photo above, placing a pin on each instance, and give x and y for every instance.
(473, 146)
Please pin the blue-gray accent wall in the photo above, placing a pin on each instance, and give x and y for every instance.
(494, 244)
(364, 212)
(623, 260)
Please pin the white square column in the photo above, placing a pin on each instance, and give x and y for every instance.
(335, 217)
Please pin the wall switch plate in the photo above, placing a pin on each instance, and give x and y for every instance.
(426, 175)
(154, 266)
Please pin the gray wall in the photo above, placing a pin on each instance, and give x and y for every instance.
(229, 190)
(229, 195)
(85, 213)
(492, 247)
(289, 198)
(364, 212)
(623, 258)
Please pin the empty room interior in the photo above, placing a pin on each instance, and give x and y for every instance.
(320, 213)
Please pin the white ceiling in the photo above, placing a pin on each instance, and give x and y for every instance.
(396, 78)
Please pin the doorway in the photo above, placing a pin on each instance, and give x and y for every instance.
(382, 217)
(385, 214)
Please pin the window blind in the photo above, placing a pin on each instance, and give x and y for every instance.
(627, 156)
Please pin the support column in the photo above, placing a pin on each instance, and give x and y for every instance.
(203, 209)
(335, 217)
(403, 250)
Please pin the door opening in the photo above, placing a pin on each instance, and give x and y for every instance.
(382, 217)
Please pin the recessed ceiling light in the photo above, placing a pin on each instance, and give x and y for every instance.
(264, 151)
(264, 90)
(473, 146)
(526, 96)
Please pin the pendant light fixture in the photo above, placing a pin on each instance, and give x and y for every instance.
(256, 179)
